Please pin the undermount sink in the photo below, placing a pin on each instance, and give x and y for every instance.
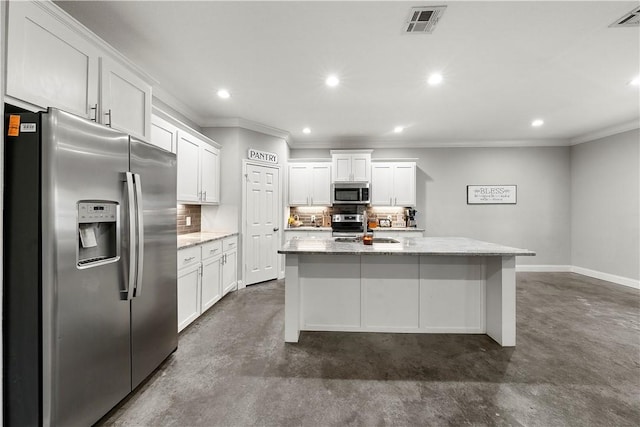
(347, 239)
(385, 240)
(359, 239)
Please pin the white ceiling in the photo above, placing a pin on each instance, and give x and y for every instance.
(504, 64)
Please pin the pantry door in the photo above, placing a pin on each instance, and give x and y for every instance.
(262, 218)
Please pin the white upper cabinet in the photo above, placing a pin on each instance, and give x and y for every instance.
(309, 184)
(210, 174)
(53, 61)
(164, 134)
(125, 100)
(198, 170)
(188, 156)
(393, 184)
(48, 63)
(351, 165)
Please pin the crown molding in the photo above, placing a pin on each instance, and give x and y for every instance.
(233, 122)
(608, 131)
(428, 144)
(176, 104)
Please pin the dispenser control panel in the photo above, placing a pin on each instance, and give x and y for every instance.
(96, 212)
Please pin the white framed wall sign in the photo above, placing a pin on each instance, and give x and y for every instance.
(492, 194)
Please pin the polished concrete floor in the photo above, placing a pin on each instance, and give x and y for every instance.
(576, 363)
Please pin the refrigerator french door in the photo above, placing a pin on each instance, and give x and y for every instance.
(89, 267)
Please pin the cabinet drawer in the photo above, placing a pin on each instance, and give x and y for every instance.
(230, 243)
(211, 249)
(188, 256)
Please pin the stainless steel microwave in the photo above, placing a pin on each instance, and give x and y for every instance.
(350, 194)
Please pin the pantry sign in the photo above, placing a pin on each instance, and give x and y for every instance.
(491, 194)
(263, 156)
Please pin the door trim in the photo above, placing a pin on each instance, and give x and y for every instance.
(243, 270)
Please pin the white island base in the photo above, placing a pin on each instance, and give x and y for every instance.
(408, 294)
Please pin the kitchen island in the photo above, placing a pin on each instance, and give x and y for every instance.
(417, 285)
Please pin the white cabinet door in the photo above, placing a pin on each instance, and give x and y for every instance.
(48, 63)
(351, 166)
(320, 184)
(382, 184)
(188, 168)
(299, 185)
(125, 100)
(210, 173)
(211, 287)
(361, 167)
(404, 184)
(341, 167)
(229, 272)
(164, 134)
(188, 295)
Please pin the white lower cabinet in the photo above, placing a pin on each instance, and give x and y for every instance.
(206, 273)
(189, 283)
(393, 234)
(211, 273)
(229, 265)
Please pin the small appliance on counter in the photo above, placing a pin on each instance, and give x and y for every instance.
(411, 217)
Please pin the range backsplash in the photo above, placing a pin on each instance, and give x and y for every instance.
(305, 213)
(194, 212)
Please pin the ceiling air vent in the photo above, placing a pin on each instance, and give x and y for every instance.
(631, 19)
(423, 19)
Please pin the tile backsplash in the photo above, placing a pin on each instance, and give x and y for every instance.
(192, 211)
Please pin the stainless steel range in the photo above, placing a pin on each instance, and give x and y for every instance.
(348, 221)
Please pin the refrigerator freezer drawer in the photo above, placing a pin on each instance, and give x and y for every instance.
(188, 256)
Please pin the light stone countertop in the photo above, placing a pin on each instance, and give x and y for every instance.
(308, 228)
(453, 246)
(194, 239)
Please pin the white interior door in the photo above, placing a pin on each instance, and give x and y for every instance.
(262, 223)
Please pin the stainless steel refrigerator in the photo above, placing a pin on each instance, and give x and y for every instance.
(89, 267)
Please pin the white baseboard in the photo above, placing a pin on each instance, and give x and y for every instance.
(241, 284)
(624, 281)
(545, 268)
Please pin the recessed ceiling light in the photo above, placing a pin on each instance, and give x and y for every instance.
(537, 123)
(635, 81)
(398, 129)
(434, 79)
(306, 130)
(332, 81)
(224, 94)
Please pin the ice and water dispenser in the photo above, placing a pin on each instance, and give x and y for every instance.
(98, 233)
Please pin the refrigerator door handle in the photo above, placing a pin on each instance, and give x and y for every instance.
(132, 235)
(140, 234)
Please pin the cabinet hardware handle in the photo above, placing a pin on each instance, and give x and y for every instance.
(390, 203)
(395, 202)
(189, 259)
(311, 199)
(199, 195)
(212, 251)
(95, 113)
(204, 197)
(108, 113)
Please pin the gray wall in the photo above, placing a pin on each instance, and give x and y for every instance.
(235, 144)
(605, 205)
(540, 221)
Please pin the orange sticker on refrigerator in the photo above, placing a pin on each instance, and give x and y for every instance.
(14, 125)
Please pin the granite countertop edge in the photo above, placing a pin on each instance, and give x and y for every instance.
(199, 238)
(436, 246)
